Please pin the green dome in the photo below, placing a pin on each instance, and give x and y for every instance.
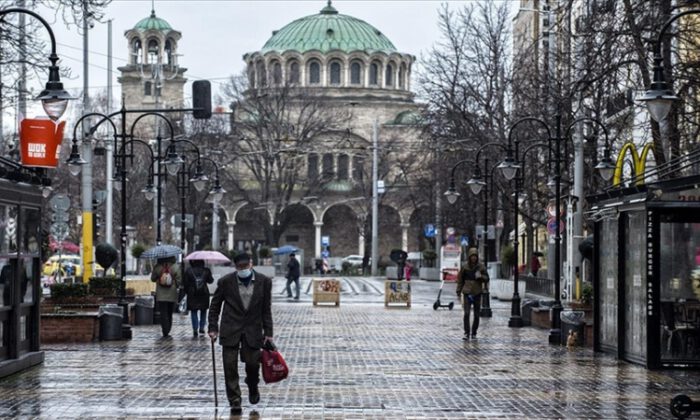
(153, 22)
(328, 31)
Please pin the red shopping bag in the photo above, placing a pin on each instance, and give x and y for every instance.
(274, 368)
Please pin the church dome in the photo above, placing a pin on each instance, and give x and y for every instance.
(153, 23)
(328, 31)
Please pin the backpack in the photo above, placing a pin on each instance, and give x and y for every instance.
(199, 283)
(166, 279)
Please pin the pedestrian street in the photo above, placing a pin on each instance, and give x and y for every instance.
(353, 361)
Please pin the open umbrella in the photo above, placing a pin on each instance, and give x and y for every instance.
(211, 257)
(66, 245)
(162, 251)
(286, 249)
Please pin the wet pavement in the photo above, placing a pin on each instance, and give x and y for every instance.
(358, 360)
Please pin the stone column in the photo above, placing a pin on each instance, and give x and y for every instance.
(317, 241)
(229, 240)
(404, 236)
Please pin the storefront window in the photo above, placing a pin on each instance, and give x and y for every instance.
(5, 281)
(679, 277)
(31, 231)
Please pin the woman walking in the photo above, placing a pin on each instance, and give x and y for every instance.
(196, 281)
(166, 274)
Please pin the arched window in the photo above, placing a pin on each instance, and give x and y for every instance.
(312, 167)
(147, 89)
(251, 77)
(153, 51)
(335, 73)
(277, 73)
(293, 73)
(136, 51)
(260, 70)
(389, 76)
(356, 73)
(327, 170)
(358, 163)
(374, 74)
(402, 76)
(314, 73)
(169, 53)
(343, 167)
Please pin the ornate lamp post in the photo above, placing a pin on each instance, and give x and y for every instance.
(510, 166)
(53, 98)
(659, 97)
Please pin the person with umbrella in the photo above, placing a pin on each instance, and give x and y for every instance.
(166, 274)
(246, 324)
(195, 281)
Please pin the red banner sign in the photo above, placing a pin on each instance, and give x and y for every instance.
(40, 141)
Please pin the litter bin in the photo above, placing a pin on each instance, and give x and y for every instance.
(110, 322)
(572, 321)
(143, 310)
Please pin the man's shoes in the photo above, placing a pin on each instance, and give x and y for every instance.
(201, 331)
(194, 334)
(253, 394)
(296, 298)
(236, 410)
(289, 296)
(473, 336)
(466, 337)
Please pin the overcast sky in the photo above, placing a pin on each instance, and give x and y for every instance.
(216, 34)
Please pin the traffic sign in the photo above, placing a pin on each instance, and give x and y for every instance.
(325, 241)
(59, 231)
(429, 230)
(552, 226)
(465, 240)
(325, 253)
(60, 216)
(59, 202)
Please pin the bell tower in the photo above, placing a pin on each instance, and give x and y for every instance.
(153, 79)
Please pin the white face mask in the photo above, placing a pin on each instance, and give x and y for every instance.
(245, 273)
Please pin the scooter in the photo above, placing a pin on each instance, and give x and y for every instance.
(437, 303)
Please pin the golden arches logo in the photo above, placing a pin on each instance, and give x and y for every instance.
(639, 162)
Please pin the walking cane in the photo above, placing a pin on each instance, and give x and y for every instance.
(213, 365)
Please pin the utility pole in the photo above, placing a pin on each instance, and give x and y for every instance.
(375, 197)
(22, 98)
(109, 212)
(86, 174)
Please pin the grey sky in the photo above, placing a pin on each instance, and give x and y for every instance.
(216, 34)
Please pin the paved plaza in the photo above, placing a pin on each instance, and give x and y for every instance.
(358, 360)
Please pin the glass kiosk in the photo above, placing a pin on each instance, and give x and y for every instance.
(647, 273)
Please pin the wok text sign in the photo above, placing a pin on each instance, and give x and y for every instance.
(40, 141)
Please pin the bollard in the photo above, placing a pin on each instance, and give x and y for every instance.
(682, 406)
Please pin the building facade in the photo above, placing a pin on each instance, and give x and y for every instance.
(352, 68)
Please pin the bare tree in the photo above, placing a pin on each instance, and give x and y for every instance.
(274, 129)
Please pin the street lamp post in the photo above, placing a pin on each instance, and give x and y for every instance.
(175, 164)
(53, 98)
(510, 167)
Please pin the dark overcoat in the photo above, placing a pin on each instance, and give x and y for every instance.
(255, 323)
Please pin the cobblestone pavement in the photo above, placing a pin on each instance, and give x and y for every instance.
(358, 360)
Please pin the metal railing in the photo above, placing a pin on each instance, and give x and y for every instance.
(540, 286)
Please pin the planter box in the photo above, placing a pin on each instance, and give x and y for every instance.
(326, 291)
(78, 327)
(430, 274)
(397, 291)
